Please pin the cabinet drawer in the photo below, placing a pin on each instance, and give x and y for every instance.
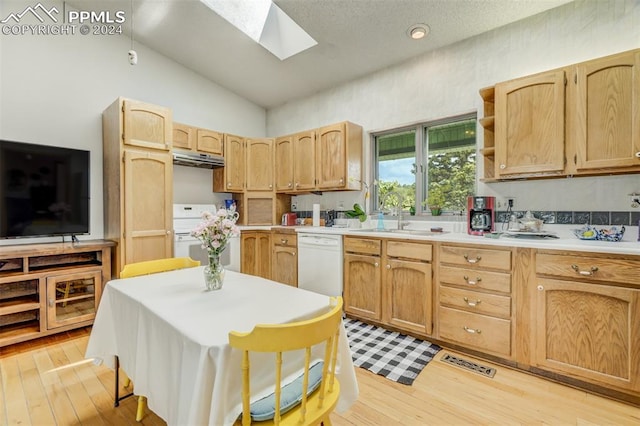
(476, 302)
(285, 239)
(476, 257)
(415, 251)
(362, 245)
(588, 268)
(476, 331)
(476, 279)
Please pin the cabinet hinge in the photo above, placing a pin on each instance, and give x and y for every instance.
(575, 158)
(575, 78)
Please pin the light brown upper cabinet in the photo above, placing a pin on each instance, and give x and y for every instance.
(183, 136)
(146, 125)
(607, 114)
(529, 126)
(339, 157)
(304, 161)
(196, 139)
(324, 159)
(284, 163)
(231, 177)
(583, 119)
(259, 162)
(209, 141)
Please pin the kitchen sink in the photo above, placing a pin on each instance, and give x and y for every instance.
(400, 231)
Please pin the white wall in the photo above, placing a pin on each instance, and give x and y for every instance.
(53, 90)
(446, 83)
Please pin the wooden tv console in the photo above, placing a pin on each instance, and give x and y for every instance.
(51, 287)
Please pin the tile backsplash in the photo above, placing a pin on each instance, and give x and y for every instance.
(577, 217)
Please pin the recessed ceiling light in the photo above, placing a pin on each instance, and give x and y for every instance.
(418, 31)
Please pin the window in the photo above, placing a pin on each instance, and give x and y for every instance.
(434, 163)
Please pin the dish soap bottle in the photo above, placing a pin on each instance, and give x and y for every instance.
(380, 221)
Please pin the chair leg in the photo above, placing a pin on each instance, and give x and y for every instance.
(141, 404)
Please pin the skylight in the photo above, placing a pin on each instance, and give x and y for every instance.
(265, 23)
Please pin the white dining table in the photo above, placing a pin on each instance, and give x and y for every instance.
(171, 339)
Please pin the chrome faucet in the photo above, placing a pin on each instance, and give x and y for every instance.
(398, 206)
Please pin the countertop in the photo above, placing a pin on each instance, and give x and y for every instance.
(566, 241)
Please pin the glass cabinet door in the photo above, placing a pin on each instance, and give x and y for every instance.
(72, 298)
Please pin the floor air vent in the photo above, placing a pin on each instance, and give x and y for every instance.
(468, 365)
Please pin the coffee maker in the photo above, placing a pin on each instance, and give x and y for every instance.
(481, 215)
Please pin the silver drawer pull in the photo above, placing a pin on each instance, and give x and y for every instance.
(466, 278)
(293, 253)
(376, 264)
(590, 273)
(471, 302)
(471, 330)
(476, 260)
(283, 241)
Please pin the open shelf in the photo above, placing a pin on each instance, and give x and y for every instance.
(488, 122)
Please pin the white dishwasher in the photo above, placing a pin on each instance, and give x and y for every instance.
(320, 263)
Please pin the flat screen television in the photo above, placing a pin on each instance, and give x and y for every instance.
(44, 190)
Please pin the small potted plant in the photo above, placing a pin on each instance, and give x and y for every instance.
(435, 202)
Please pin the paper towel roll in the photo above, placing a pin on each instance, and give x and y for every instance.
(316, 215)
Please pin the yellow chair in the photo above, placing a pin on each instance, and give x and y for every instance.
(146, 268)
(288, 405)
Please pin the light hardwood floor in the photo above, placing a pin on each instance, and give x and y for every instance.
(48, 382)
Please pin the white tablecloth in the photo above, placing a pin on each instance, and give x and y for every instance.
(172, 340)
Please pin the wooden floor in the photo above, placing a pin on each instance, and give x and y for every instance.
(48, 382)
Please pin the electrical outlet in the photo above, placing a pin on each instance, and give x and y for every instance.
(294, 205)
(511, 202)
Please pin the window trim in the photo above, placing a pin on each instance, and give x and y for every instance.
(420, 129)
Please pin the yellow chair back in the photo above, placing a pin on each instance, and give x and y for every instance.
(158, 265)
(278, 338)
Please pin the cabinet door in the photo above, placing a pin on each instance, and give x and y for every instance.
(284, 265)
(362, 286)
(409, 297)
(209, 142)
(146, 125)
(330, 157)
(608, 112)
(148, 206)
(304, 161)
(529, 125)
(72, 298)
(259, 156)
(183, 136)
(284, 164)
(589, 331)
(256, 258)
(234, 163)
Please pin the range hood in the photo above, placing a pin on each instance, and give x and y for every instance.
(195, 159)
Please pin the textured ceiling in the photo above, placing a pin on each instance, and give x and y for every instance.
(355, 38)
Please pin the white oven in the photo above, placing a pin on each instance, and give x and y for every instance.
(185, 218)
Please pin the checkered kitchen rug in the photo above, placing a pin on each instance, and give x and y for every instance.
(393, 355)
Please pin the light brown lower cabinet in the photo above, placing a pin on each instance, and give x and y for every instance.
(284, 258)
(474, 298)
(389, 281)
(256, 253)
(407, 281)
(362, 278)
(587, 318)
(570, 316)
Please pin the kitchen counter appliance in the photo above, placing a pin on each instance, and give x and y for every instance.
(481, 215)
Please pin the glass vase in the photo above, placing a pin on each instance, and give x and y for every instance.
(213, 273)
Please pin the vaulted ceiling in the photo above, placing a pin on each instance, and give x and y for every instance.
(355, 38)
